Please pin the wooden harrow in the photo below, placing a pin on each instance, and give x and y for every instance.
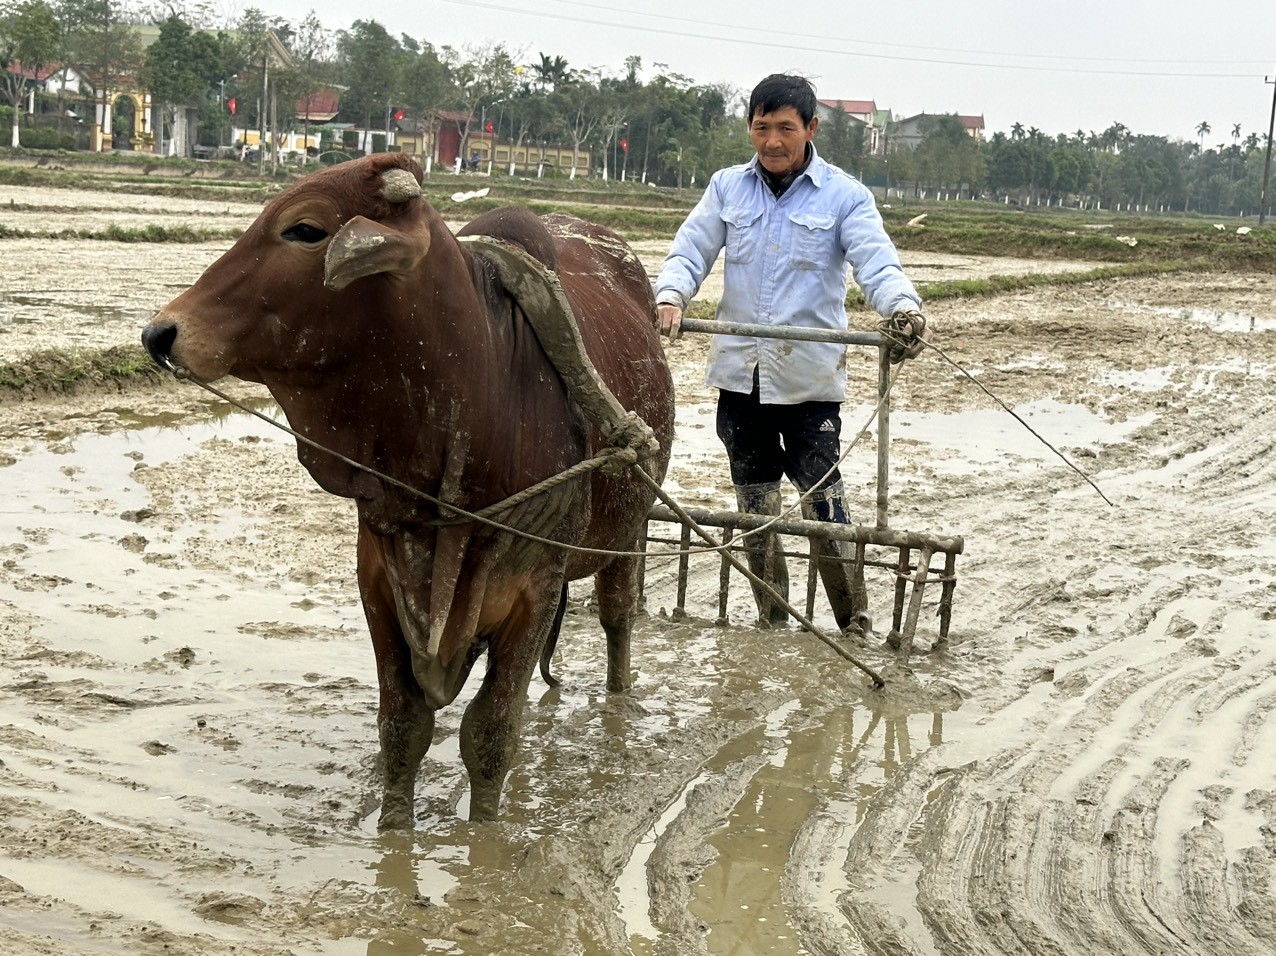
(914, 551)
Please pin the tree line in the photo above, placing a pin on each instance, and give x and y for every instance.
(646, 124)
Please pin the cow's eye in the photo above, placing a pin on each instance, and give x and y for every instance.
(304, 232)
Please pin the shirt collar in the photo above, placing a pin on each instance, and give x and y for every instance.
(815, 169)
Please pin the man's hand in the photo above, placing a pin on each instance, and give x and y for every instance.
(669, 320)
(908, 332)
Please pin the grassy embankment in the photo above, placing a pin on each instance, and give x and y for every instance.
(1163, 244)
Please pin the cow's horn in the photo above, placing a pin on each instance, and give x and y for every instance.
(399, 185)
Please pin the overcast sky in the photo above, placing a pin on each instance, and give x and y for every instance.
(1158, 66)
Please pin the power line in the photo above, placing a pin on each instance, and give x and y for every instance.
(878, 44)
(808, 49)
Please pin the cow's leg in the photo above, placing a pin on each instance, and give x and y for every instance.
(616, 585)
(404, 722)
(491, 725)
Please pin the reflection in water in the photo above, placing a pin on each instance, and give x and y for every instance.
(409, 868)
(396, 870)
(739, 895)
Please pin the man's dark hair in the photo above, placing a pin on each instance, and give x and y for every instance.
(780, 90)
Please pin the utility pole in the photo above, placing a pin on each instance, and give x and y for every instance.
(1264, 199)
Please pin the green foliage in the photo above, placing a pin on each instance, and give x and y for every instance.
(947, 157)
(60, 371)
(1121, 169)
(841, 140)
(370, 65)
(150, 233)
(425, 80)
(37, 138)
(182, 64)
(29, 35)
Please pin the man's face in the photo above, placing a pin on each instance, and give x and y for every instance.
(780, 139)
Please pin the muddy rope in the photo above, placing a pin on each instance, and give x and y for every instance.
(609, 456)
(1010, 411)
(623, 456)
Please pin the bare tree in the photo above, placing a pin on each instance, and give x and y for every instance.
(482, 74)
(312, 53)
(581, 105)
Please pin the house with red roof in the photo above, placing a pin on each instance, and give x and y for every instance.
(880, 127)
(910, 132)
(862, 112)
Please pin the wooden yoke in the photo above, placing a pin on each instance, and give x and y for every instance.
(540, 293)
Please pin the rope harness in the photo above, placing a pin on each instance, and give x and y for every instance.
(631, 442)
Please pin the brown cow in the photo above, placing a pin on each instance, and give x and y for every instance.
(387, 340)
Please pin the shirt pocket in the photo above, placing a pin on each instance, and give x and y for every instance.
(814, 239)
(744, 233)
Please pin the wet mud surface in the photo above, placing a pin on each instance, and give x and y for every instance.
(187, 698)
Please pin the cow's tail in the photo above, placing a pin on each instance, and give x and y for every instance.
(551, 641)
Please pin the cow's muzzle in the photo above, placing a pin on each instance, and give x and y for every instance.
(158, 339)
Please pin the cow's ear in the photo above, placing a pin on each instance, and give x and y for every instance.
(364, 248)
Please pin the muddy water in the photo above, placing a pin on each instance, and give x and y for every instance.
(188, 731)
(166, 687)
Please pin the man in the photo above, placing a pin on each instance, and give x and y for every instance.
(791, 225)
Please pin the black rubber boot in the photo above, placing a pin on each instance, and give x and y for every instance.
(765, 559)
(842, 579)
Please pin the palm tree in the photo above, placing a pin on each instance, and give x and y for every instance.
(551, 72)
(1202, 130)
(1016, 131)
(1236, 134)
(1115, 136)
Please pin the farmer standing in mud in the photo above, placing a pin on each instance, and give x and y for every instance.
(791, 224)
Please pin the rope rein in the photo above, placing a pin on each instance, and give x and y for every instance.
(617, 458)
(608, 457)
(483, 516)
(1013, 414)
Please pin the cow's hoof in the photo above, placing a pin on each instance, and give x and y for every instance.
(484, 809)
(395, 818)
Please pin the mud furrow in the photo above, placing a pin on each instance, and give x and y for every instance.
(1254, 723)
(1028, 895)
(682, 854)
(875, 852)
(824, 932)
(1209, 892)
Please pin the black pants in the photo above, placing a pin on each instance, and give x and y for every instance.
(766, 442)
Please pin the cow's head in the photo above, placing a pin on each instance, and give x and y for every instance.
(284, 301)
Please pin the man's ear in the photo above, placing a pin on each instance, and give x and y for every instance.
(813, 126)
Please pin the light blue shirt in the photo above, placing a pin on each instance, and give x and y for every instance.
(786, 264)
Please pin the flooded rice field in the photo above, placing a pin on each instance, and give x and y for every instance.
(188, 699)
